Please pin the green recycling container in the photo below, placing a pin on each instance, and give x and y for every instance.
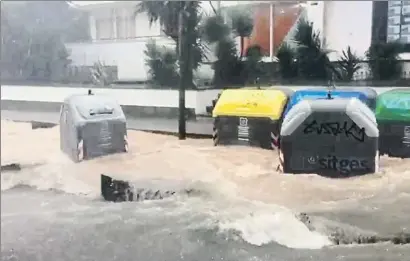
(393, 118)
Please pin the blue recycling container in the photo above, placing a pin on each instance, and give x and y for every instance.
(313, 94)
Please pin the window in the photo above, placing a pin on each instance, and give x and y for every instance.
(405, 39)
(394, 20)
(394, 3)
(395, 10)
(121, 32)
(406, 10)
(104, 29)
(130, 26)
(393, 29)
(125, 27)
(392, 38)
(162, 29)
(405, 29)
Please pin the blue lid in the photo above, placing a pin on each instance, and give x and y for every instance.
(313, 94)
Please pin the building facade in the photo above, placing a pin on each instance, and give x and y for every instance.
(119, 34)
(118, 38)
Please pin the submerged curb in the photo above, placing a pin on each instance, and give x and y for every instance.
(342, 234)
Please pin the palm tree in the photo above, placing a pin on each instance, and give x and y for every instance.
(312, 59)
(226, 67)
(349, 63)
(287, 61)
(214, 29)
(242, 26)
(167, 14)
(162, 63)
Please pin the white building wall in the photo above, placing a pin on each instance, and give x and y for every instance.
(343, 24)
(350, 23)
(127, 55)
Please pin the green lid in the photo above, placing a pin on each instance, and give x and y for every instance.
(394, 105)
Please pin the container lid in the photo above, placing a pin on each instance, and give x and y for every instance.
(251, 103)
(394, 105)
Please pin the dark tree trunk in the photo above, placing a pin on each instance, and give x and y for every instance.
(242, 48)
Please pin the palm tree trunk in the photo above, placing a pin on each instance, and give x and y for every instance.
(242, 47)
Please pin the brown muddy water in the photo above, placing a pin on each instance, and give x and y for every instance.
(243, 200)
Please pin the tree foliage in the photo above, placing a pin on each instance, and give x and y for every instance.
(308, 59)
(214, 29)
(384, 60)
(227, 67)
(162, 64)
(242, 26)
(33, 36)
(167, 13)
(312, 60)
(349, 64)
(304, 57)
(287, 60)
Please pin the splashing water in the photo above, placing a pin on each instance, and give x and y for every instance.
(240, 189)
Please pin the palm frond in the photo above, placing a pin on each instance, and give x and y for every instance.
(242, 24)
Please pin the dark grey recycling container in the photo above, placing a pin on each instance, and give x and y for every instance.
(331, 137)
(92, 126)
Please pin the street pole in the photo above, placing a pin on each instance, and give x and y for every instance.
(218, 7)
(182, 77)
(271, 30)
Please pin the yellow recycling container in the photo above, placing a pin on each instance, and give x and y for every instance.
(249, 117)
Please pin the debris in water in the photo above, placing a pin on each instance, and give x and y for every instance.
(120, 191)
(342, 234)
(11, 167)
(42, 125)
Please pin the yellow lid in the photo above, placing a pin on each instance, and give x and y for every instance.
(251, 103)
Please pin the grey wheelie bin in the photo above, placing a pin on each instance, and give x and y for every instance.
(92, 126)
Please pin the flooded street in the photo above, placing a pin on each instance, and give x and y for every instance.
(245, 210)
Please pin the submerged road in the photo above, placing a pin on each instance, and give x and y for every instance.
(48, 225)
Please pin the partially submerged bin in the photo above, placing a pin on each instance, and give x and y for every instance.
(322, 93)
(249, 117)
(92, 126)
(336, 138)
(393, 117)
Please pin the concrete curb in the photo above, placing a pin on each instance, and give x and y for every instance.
(50, 124)
(129, 110)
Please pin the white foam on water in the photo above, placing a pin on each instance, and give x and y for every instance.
(240, 190)
(268, 225)
(254, 222)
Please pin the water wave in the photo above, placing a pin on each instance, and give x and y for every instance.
(239, 187)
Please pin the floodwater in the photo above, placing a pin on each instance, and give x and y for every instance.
(243, 204)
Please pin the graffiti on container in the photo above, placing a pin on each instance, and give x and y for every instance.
(343, 165)
(350, 130)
